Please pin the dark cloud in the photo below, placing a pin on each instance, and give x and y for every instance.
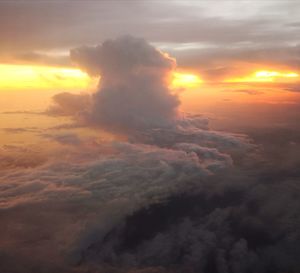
(291, 87)
(21, 112)
(20, 130)
(142, 208)
(67, 138)
(246, 91)
(219, 63)
(95, 186)
(236, 230)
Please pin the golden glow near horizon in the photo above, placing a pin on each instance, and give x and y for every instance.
(267, 76)
(36, 77)
(28, 77)
(185, 80)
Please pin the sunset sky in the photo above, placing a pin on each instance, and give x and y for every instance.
(218, 42)
(217, 47)
(176, 117)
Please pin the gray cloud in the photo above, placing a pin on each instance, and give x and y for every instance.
(69, 104)
(21, 130)
(126, 207)
(134, 98)
(134, 91)
(15, 157)
(232, 226)
(246, 91)
(171, 25)
(98, 186)
(39, 58)
(219, 63)
(66, 138)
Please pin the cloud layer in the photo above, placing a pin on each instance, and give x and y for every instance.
(212, 39)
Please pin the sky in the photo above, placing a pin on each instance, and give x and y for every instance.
(214, 39)
(149, 136)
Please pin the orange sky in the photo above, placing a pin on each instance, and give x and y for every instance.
(29, 77)
(30, 87)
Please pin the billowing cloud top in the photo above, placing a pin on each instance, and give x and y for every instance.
(134, 89)
(134, 97)
(123, 57)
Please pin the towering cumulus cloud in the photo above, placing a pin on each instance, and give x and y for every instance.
(134, 97)
(134, 91)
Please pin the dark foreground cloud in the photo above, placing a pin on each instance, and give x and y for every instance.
(94, 187)
(242, 226)
(119, 207)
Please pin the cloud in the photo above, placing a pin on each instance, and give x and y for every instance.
(134, 97)
(134, 91)
(208, 37)
(194, 22)
(115, 169)
(126, 207)
(219, 64)
(20, 130)
(100, 187)
(290, 87)
(66, 138)
(246, 91)
(20, 157)
(237, 225)
(69, 104)
(40, 58)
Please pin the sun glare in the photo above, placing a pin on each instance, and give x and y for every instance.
(185, 80)
(35, 77)
(24, 77)
(267, 76)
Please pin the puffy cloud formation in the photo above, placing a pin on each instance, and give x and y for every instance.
(134, 97)
(76, 196)
(67, 139)
(69, 104)
(120, 207)
(114, 170)
(231, 227)
(134, 91)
